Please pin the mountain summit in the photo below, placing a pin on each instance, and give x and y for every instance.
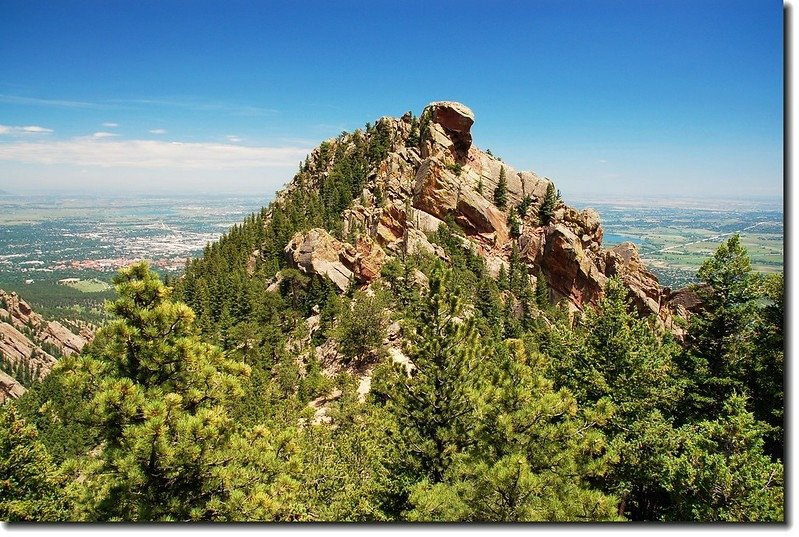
(426, 171)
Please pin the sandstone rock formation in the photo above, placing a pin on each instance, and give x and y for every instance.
(24, 336)
(318, 252)
(444, 177)
(9, 388)
(53, 332)
(449, 128)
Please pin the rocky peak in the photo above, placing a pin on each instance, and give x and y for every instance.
(448, 126)
(419, 183)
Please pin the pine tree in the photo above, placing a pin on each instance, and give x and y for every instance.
(548, 206)
(723, 335)
(413, 137)
(361, 329)
(433, 407)
(31, 487)
(766, 374)
(722, 474)
(501, 192)
(532, 456)
(542, 291)
(345, 463)
(614, 355)
(160, 399)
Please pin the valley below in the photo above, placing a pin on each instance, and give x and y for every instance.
(57, 251)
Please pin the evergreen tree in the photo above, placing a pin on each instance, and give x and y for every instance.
(501, 192)
(31, 487)
(514, 225)
(532, 456)
(361, 329)
(723, 335)
(160, 400)
(413, 137)
(766, 374)
(613, 354)
(722, 474)
(345, 463)
(542, 291)
(433, 406)
(548, 206)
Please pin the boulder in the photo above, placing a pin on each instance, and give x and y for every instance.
(364, 259)
(624, 262)
(569, 270)
(449, 128)
(531, 244)
(439, 191)
(317, 252)
(686, 300)
(391, 226)
(57, 334)
(10, 388)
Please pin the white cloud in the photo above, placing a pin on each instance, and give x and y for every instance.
(158, 131)
(104, 134)
(233, 138)
(15, 99)
(29, 129)
(106, 153)
(111, 125)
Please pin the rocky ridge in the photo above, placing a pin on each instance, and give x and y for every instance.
(444, 177)
(31, 343)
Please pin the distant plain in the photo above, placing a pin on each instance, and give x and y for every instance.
(44, 239)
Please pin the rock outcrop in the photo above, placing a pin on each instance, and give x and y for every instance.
(623, 261)
(570, 271)
(443, 177)
(318, 252)
(10, 388)
(430, 174)
(29, 344)
(20, 314)
(449, 128)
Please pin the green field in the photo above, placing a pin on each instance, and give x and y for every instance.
(674, 240)
(92, 285)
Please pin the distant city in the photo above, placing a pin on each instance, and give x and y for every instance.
(54, 237)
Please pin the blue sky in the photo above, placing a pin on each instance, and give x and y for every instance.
(621, 97)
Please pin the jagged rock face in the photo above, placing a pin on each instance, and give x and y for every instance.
(447, 178)
(51, 332)
(61, 337)
(685, 298)
(571, 273)
(450, 129)
(623, 261)
(20, 350)
(318, 252)
(440, 192)
(364, 259)
(17, 350)
(10, 388)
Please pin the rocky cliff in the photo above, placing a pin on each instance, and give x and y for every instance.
(432, 172)
(30, 344)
